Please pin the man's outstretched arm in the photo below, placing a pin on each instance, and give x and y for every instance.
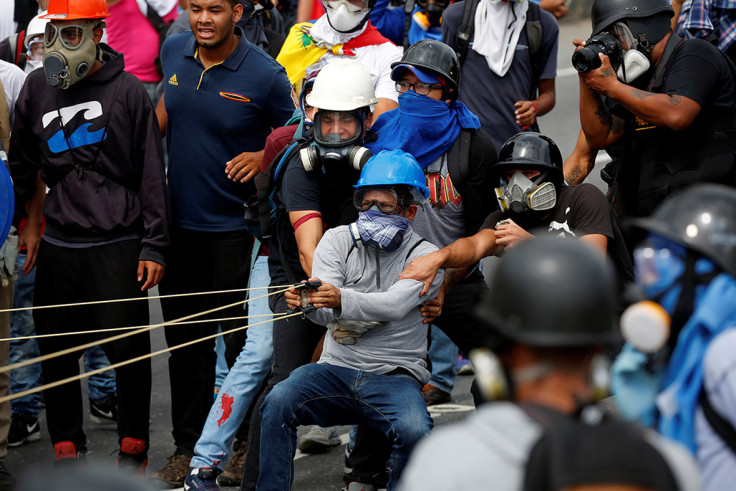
(463, 252)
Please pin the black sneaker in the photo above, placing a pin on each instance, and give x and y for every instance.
(6, 478)
(104, 411)
(23, 428)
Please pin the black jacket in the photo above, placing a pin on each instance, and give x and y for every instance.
(111, 184)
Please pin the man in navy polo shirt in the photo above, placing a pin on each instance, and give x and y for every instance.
(222, 96)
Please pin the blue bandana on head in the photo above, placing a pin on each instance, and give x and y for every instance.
(422, 126)
(383, 231)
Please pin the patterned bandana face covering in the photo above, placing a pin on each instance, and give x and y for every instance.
(383, 231)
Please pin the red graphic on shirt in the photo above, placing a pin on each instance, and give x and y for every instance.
(227, 408)
(441, 190)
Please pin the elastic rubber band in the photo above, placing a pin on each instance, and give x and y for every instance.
(306, 218)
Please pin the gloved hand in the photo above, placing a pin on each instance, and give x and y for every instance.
(8, 258)
(347, 331)
(635, 386)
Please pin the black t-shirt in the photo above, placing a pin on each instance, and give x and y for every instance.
(659, 160)
(698, 71)
(329, 193)
(580, 210)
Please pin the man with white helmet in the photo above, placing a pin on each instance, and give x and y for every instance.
(34, 42)
(376, 334)
(313, 192)
(344, 30)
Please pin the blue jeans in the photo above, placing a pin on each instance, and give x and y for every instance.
(443, 353)
(102, 385)
(221, 366)
(328, 395)
(243, 381)
(29, 376)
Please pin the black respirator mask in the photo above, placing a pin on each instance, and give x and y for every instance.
(337, 142)
(430, 13)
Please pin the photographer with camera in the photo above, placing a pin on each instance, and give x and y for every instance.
(668, 101)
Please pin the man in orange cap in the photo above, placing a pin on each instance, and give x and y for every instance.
(90, 129)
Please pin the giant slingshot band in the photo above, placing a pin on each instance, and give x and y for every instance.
(116, 329)
(141, 330)
(152, 297)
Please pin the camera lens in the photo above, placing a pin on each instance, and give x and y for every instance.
(586, 59)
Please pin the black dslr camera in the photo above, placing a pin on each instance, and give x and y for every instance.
(586, 58)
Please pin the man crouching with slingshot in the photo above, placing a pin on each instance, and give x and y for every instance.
(373, 362)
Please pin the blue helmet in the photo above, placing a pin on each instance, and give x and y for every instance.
(394, 168)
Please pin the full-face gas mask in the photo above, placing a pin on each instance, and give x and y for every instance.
(337, 138)
(347, 15)
(635, 63)
(70, 52)
(521, 194)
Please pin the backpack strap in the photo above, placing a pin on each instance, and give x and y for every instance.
(534, 42)
(719, 424)
(17, 47)
(408, 254)
(266, 183)
(408, 10)
(467, 29)
(276, 170)
(458, 157)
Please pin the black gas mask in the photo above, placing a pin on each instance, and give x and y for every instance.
(430, 12)
(338, 138)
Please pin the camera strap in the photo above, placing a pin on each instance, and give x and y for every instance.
(673, 43)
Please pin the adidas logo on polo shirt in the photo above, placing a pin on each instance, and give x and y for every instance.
(172, 80)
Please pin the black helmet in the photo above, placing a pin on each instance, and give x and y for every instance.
(552, 292)
(433, 56)
(605, 13)
(530, 150)
(702, 218)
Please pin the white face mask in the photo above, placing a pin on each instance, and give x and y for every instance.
(634, 65)
(344, 16)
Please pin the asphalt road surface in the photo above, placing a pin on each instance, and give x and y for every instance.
(323, 471)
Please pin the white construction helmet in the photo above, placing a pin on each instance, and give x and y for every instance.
(342, 85)
(36, 27)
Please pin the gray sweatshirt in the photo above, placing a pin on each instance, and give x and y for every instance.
(368, 294)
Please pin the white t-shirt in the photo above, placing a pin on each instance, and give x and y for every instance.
(12, 78)
(7, 24)
(377, 60)
(717, 461)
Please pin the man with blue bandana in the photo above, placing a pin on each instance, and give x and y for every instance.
(375, 329)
